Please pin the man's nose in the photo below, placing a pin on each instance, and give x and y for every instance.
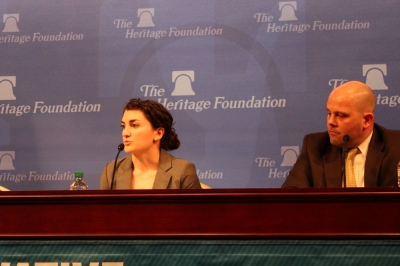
(331, 120)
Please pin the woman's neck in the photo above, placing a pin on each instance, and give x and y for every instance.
(146, 161)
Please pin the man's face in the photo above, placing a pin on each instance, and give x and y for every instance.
(342, 119)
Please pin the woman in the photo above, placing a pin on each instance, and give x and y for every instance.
(148, 134)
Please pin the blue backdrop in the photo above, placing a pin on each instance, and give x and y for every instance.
(244, 80)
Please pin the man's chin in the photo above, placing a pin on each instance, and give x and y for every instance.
(336, 142)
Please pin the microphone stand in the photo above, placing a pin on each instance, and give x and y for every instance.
(346, 138)
(120, 148)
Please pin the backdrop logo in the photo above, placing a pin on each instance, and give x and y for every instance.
(6, 160)
(183, 83)
(287, 21)
(375, 76)
(7, 83)
(11, 27)
(209, 174)
(145, 24)
(375, 79)
(183, 87)
(336, 82)
(11, 21)
(287, 10)
(289, 154)
(145, 16)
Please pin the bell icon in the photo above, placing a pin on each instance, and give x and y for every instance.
(287, 13)
(145, 17)
(289, 158)
(289, 154)
(6, 88)
(6, 162)
(183, 82)
(183, 86)
(10, 21)
(375, 80)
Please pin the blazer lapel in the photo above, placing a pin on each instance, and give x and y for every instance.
(332, 161)
(163, 178)
(373, 161)
(123, 175)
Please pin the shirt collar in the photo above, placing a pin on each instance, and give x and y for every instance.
(363, 147)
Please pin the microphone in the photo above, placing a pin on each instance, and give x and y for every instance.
(120, 148)
(346, 139)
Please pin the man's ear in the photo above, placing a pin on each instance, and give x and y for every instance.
(368, 119)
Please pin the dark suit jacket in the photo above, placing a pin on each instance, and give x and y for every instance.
(172, 173)
(320, 163)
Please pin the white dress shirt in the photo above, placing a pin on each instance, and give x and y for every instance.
(359, 161)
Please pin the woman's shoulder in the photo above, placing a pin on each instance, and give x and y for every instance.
(176, 157)
(120, 161)
(174, 161)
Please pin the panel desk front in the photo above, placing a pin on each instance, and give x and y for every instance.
(202, 214)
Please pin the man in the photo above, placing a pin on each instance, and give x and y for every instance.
(350, 110)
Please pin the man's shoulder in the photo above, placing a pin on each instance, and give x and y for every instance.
(317, 137)
(317, 141)
(387, 133)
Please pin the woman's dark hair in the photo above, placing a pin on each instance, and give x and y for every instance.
(159, 117)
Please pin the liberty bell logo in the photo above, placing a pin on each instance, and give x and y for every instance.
(287, 10)
(289, 154)
(6, 160)
(375, 76)
(183, 83)
(145, 17)
(11, 21)
(7, 83)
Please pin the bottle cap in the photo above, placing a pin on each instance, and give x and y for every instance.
(78, 174)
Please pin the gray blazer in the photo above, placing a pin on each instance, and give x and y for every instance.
(172, 173)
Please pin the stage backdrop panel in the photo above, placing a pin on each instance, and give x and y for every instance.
(244, 80)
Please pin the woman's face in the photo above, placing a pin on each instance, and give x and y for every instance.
(137, 133)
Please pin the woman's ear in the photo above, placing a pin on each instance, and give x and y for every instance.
(159, 133)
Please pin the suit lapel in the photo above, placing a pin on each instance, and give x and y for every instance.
(163, 178)
(124, 174)
(373, 161)
(332, 161)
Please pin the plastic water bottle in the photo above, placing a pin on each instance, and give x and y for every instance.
(78, 183)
